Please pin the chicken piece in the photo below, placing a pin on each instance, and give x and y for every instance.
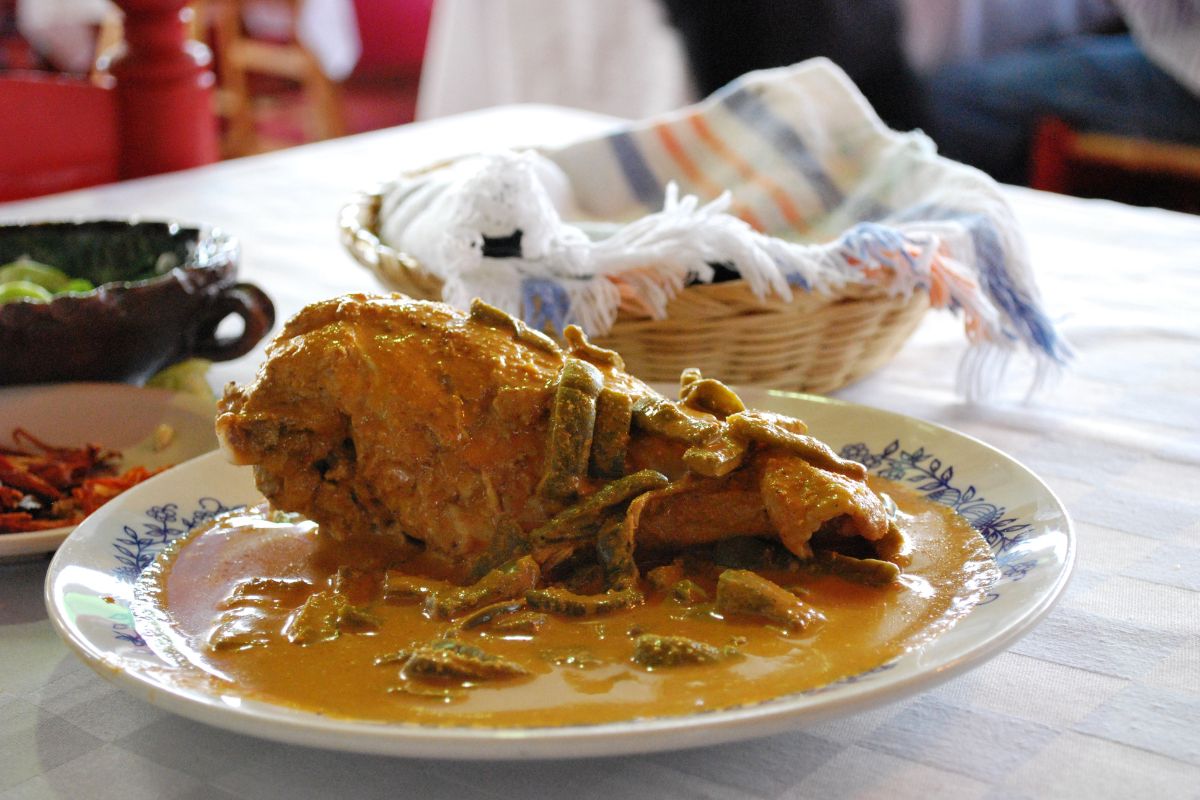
(482, 440)
(800, 498)
(404, 419)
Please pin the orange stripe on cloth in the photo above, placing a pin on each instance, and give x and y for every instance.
(748, 173)
(698, 178)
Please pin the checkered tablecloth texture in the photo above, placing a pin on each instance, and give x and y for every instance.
(1100, 700)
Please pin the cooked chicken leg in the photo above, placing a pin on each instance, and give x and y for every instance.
(475, 436)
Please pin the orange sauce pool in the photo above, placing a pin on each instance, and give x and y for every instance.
(581, 671)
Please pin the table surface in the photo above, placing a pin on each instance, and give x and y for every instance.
(1101, 700)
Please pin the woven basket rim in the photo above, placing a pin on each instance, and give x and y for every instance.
(815, 341)
(358, 221)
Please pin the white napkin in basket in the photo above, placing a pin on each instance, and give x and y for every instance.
(789, 178)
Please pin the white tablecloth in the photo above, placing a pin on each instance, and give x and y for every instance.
(1101, 700)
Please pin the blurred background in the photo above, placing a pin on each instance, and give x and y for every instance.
(1097, 98)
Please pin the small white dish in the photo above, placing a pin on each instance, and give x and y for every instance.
(90, 582)
(114, 415)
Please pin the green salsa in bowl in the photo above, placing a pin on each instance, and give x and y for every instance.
(118, 300)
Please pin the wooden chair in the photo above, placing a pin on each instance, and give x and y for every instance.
(1068, 161)
(239, 57)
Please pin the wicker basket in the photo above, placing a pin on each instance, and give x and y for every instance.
(812, 343)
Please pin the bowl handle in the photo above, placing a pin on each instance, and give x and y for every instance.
(257, 313)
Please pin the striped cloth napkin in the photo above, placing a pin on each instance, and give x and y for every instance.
(785, 176)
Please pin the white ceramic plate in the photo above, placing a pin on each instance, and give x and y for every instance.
(89, 586)
(114, 415)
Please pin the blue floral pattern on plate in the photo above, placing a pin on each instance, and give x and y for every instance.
(136, 550)
(931, 477)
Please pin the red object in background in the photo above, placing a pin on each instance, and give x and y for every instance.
(392, 33)
(1049, 169)
(59, 133)
(56, 134)
(1123, 168)
(164, 92)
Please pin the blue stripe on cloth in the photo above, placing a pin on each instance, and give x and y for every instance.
(797, 281)
(872, 243)
(791, 274)
(1032, 325)
(746, 105)
(544, 302)
(638, 175)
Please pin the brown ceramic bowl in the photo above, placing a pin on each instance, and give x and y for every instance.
(162, 290)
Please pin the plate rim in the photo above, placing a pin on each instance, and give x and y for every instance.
(296, 726)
